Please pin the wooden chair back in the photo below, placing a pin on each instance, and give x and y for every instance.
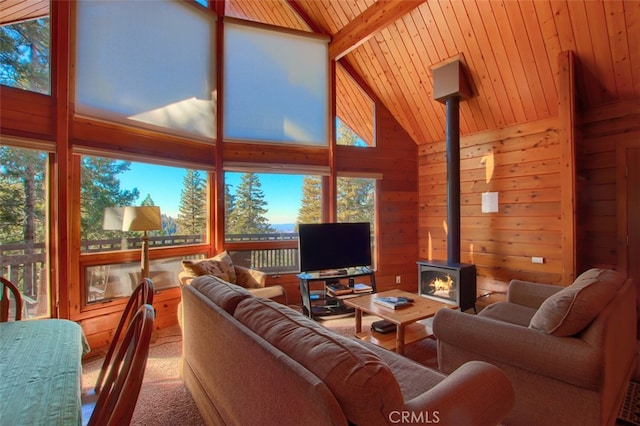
(9, 288)
(119, 395)
(143, 294)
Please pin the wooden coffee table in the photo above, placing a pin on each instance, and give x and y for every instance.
(405, 319)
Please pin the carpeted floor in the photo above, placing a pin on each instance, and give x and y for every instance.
(163, 398)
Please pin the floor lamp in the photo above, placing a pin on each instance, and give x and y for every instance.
(142, 218)
(134, 218)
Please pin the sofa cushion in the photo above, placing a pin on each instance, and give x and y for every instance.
(414, 378)
(225, 295)
(509, 312)
(572, 309)
(220, 266)
(362, 383)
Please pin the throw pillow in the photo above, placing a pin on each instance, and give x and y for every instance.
(204, 267)
(226, 265)
(220, 266)
(572, 309)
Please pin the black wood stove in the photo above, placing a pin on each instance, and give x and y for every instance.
(450, 281)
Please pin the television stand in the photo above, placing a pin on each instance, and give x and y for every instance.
(333, 273)
(318, 302)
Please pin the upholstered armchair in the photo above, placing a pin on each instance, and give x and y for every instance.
(223, 267)
(569, 352)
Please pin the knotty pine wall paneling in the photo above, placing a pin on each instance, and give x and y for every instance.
(602, 130)
(522, 164)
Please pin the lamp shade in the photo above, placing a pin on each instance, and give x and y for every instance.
(141, 218)
(112, 220)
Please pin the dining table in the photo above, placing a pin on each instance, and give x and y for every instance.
(41, 372)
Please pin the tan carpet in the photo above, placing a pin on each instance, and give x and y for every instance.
(163, 398)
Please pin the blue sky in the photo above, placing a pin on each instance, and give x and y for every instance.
(282, 192)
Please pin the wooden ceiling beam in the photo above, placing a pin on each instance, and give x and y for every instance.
(381, 14)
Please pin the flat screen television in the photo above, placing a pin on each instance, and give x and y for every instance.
(329, 246)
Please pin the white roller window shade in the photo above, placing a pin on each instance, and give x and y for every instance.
(148, 64)
(276, 86)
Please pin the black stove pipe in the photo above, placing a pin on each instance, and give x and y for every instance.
(453, 179)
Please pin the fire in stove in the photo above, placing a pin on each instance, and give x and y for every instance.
(442, 287)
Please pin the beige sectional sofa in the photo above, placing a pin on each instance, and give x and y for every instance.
(252, 361)
(568, 351)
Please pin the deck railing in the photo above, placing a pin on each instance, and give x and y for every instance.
(25, 263)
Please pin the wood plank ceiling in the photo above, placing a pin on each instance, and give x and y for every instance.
(12, 11)
(510, 49)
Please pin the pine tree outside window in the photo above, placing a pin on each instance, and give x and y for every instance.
(357, 202)
(24, 253)
(25, 56)
(264, 209)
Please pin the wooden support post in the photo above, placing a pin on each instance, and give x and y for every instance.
(566, 137)
(65, 296)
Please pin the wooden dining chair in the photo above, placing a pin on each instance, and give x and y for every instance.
(117, 399)
(9, 288)
(143, 294)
